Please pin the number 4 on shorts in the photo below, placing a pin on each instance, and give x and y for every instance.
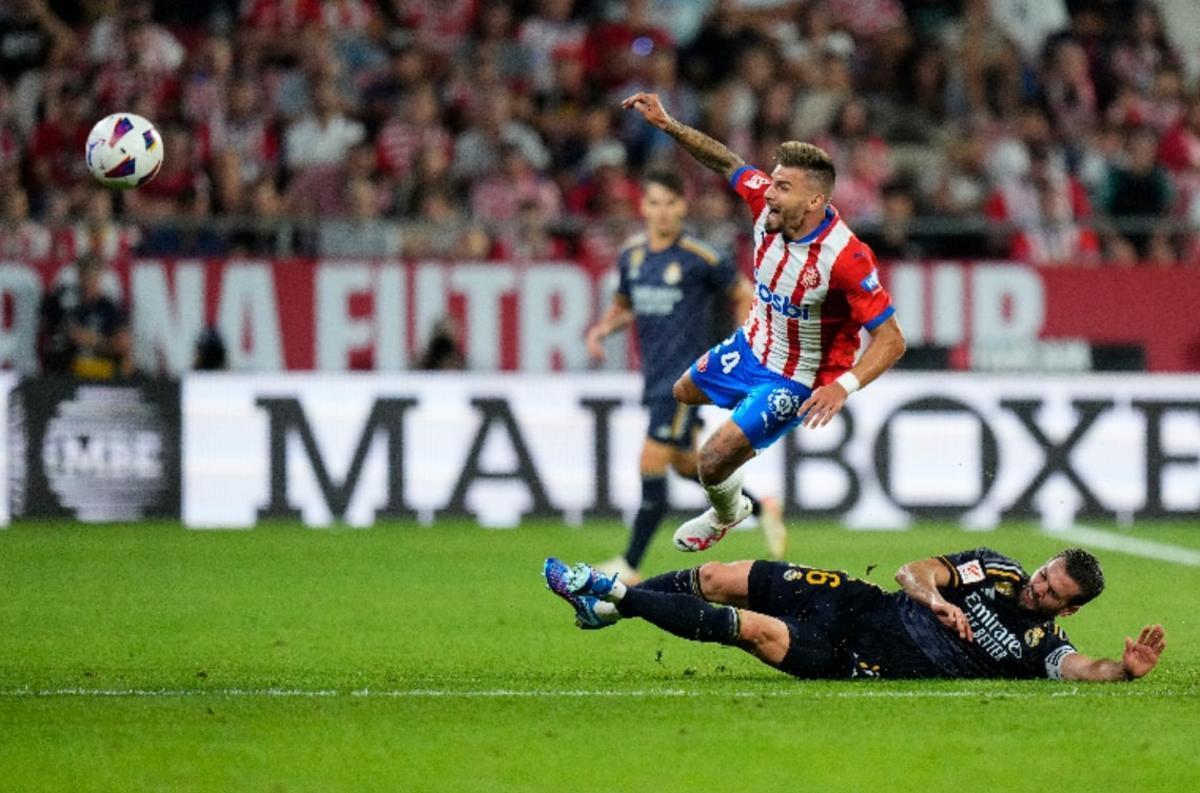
(730, 360)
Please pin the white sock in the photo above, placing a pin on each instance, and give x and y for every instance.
(617, 592)
(726, 496)
(607, 611)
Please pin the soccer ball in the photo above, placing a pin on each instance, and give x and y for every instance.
(123, 151)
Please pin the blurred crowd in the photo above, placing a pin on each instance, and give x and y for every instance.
(1047, 130)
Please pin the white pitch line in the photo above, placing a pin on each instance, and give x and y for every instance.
(1134, 546)
(1096, 691)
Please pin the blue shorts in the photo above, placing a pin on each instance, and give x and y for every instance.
(671, 422)
(765, 405)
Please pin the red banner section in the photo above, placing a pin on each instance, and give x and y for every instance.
(337, 315)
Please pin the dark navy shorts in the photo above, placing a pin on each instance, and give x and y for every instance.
(838, 626)
(671, 422)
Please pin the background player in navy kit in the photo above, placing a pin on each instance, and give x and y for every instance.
(671, 286)
(972, 614)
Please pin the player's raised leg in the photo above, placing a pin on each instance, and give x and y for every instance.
(769, 511)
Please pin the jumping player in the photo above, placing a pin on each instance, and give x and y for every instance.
(973, 614)
(793, 359)
(670, 288)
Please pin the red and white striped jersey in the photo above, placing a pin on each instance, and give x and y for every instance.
(811, 296)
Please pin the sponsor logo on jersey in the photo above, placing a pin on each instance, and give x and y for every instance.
(672, 274)
(991, 635)
(971, 572)
(756, 181)
(871, 282)
(783, 404)
(1034, 636)
(782, 303)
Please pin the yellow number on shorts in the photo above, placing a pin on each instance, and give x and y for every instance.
(823, 578)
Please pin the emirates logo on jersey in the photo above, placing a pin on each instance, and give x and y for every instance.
(810, 276)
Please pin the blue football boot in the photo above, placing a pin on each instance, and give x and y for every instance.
(567, 583)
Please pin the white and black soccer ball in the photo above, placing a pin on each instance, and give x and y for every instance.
(124, 151)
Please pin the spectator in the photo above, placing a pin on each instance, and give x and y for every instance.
(528, 239)
(550, 29)
(1138, 187)
(85, 331)
(893, 239)
(265, 233)
(498, 197)
(416, 126)
(98, 233)
(1070, 93)
(618, 49)
(131, 38)
(478, 148)
(363, 234)
(21, 237)
(1137, 58)
(324, 137)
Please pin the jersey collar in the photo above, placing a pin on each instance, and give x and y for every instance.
(830, 216)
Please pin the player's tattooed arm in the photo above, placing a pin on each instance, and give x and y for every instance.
(1138, 660)
(921, 580)
(710, 153)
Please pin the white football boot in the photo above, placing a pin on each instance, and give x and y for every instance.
(703, 532)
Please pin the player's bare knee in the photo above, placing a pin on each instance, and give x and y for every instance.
(712, 579)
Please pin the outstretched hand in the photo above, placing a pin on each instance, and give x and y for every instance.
(650, 107)
(1142, 656)
(822, 405)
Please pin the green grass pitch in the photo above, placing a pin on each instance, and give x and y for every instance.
(406, 658)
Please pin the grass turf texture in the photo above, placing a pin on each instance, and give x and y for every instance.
(432, 659)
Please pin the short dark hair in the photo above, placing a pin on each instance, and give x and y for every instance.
(666, 179)
(1084, 569)
(810, 158)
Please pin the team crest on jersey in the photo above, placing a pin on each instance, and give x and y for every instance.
(810, 276)
(1034, 636)
(971, 572)
(1004, 588)
(871, 283)
(702, 363)
(783, 404)
(672, 274)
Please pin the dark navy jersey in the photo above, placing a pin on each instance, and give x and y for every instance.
(1009, 641)
(674, 294)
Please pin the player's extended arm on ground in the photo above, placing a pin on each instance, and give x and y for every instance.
(741, 297)
(709, 152)
(887, 346)
(618, 317)
(1137, 660)
(920, 581)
